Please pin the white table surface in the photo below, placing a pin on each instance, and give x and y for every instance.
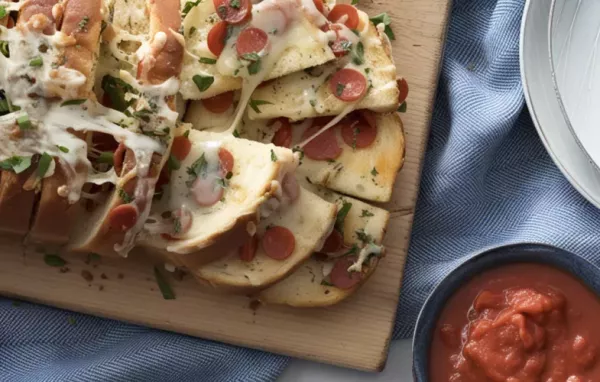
(398, 369)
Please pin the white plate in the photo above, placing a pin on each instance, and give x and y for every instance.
(574, 36)
(544, 106)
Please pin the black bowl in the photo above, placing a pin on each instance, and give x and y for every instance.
(577, 266)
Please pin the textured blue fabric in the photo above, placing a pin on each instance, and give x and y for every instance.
(487, 181)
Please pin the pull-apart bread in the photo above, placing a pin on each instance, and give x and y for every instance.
(214, 134)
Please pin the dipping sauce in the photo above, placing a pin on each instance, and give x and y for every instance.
(518, 323)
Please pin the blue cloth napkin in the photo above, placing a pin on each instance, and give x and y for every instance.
(487, 181)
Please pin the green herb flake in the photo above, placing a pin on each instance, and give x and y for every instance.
(106, 157)
(374, 172)
(402, 108)
(3, 12)
(363, 236)
(24, 122)
(234, 4)
(298, 150)
(358, 54)
(341, 215)
(186, 134)
(339, 89)
(116, 89)
(366, 214)
(355, 2)
(207, 60)
(54, 261)
(326, 283)
(255, 103)
(83, 23)
(125, 197)
(313, 102)
(273, 156)
(43, 165)
(16, 163)
(254, 67)
(4, 48)
(188, 7)
(163, 285)
(177, 225)
(236, 134)
(36, 61)
(63, 149)
(203, 82)
(198, 168)
(73, 102)
(173, 163)
(384, 19)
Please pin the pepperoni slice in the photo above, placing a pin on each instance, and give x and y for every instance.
(181, 147)
(226, 159)
(334, 242)
(236, 14)
(319, 5)
(217, 37)
(219, 104)
(403, 87)
(206, 191)
(283, 136)
(278, 243)
(346, 14)
(122, 218)
(369, 117)
(348, 85)
(290, 187)
(248, 250)
(251, 40)
(323, 147)
(358, 134)
(340, 277)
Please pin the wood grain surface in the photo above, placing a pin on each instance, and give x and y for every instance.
(354, 334)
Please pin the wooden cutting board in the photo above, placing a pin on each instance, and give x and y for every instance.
(354, 334)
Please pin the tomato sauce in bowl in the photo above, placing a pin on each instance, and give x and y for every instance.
(520, 322)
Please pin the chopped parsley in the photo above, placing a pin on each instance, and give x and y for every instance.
(163, 285)
(4, 48)
(106, 157)
(207, 60)
(203, 82)
(83, 23)
(173, 163)
(326, 283)
(36, 61)
(236, 133)
(363, 236)
(73, 102)
(43, 165)
(24, 122)
(402, 108)
(222, 12)
(188, 7)
(255, 103)
(54, 261)
(273, 156)
(374, 172)
(63, 149)
(313, 102)
(125, 197)
(355, 2)
(341, 215)
(16, 163)
(115, 89)
(339, 89)
(234, 4)
(186, 134)
(192, 31)
(198, 168)
(384, 19)
(346, 46)
(358, 54)
(255, 62)
(298, 150)
(177, 225)
(3, 12)
(366, 214)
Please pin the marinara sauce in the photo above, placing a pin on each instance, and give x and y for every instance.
(518, 323)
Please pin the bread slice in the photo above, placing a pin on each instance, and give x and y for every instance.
(363, 228)
(296, 46)
(53, 205)
(253, 187)
(309, 218)
(307, 94)
(367, 173)
(159, 62)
